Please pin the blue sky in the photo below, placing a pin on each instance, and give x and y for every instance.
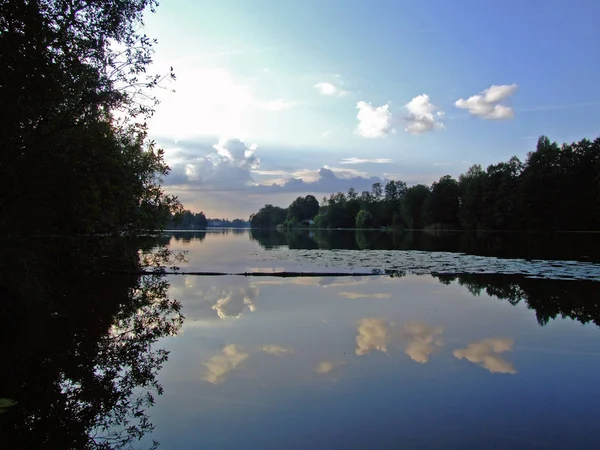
(276, 99)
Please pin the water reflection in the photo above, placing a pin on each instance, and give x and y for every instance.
(218, 366)
(578, 300)
(372, 335)
(325, 367)
(396, 358)
(232, 356)
(367, 361)
(486, 353)
(277, 350)
(565, 246)
(422, 340)
(224, 298)
(188, 236)
(82, 366)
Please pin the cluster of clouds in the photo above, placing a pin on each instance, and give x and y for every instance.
(423, 116)
(374, 335)
(229, 161)
(420, 341)
(232, 165)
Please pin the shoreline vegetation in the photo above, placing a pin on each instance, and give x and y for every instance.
(557, 188)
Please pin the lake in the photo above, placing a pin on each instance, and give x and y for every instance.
(319, 339)
(457, 346)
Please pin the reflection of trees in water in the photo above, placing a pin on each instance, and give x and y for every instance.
(81, 365)
(580, 247)
(198, 236)
(189, 236)
(578, 300)
(268, 238)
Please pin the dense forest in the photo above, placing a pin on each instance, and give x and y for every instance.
(556, 188)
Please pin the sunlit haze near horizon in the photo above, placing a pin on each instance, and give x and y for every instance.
(279, 99)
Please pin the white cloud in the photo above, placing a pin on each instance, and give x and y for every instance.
(218, 366)
(423, 116)
(487, 105)
(372, 335)
(327, 366)
(373, 122)
(277, 105)
(235, 150)
(354, 160)
(423, 340)
(229, 167)
(486, 353)
(326, 88)
(276, 350)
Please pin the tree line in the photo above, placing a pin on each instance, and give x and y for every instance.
(188, 220)
(557, 187)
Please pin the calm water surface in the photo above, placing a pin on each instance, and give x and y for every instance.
(468, 344)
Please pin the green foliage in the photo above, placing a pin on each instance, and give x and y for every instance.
(302, 209)
(413, 205)
(67, 164)
(472, 186)
(559, 186)
(364, 219)
(320, 221)
(187, 220)
(268, 216)
(441, 207)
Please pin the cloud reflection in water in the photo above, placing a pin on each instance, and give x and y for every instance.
(486, 353)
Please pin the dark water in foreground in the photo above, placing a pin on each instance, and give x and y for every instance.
(438, 342)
